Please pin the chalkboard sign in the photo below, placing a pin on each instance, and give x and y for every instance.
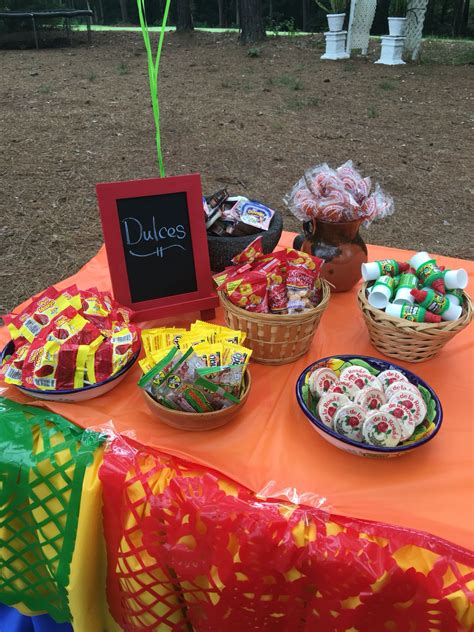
(156, 244)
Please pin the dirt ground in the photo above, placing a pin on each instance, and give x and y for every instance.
(71, 117)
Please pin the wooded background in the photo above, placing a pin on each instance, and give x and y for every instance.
(443, 17)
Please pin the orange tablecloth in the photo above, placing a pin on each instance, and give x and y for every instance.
(271, 446)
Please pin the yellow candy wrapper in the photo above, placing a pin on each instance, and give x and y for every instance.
(235, 354)
(211, 354)
(233, 336)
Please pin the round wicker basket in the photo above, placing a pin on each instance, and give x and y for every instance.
(406, 340)
(276, 338)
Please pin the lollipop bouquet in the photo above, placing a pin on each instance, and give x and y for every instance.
(338, 195)
(332, 204)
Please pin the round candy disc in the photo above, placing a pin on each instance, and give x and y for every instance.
(357, 375)
(329, 404)
(414, 403)
(390, 376)
(348, 421)
(381, 429)
(400, 387)
(404, 416)
(370, 398)
(320, 380)
(346, 388)
(374, 382)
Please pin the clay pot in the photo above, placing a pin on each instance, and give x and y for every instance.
(341, 247)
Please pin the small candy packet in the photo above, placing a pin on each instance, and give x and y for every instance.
(250, 253)
(300, 283)
(233, 336)
(235, 354)
(154, 378)
(193, 338)
(211, 354)
(249, 291)
(53, 365)
(189, 398)
(146, 364)
(276, 279)
(11, 369)
(254, 214)
(94, 308)
(40, 313)
(70, 324)
(230, 377)
(110, 356)
(218, 397)
(183, 371)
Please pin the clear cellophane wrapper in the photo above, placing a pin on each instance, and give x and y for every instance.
(338, 195)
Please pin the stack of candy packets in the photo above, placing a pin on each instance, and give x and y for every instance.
(69, 339)
(199, 370)
(283, 282)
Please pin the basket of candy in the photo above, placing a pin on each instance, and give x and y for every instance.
(198, 379)
(369, 407)
(413, 309)
(277, 300)
(69, 345)
(233, 222)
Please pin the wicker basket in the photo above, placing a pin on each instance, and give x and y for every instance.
(405, 340)
(276, 338)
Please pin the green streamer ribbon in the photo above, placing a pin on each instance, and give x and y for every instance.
(153, 67)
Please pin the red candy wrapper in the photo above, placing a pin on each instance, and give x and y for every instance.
(248, 291)
(249, 254)
(40, 313)
(276, 282)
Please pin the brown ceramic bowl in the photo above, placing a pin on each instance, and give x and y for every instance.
(198, 421)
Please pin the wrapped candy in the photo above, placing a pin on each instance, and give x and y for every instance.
(339, 195)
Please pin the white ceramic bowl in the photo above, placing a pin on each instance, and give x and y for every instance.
(357, 447)
(77, 394)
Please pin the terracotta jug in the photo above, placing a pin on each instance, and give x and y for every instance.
(341, 247)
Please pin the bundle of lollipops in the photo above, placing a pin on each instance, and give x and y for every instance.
(338, 195)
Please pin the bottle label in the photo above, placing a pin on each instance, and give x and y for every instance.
(415, 313)
(408, 280)
(387, 267)
(386, 281)
(428, 270)
(458, 293)
(438, 304)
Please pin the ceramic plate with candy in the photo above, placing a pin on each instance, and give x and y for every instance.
(69, 345)
(385, 415)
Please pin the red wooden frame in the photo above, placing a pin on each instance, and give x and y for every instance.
(204, 298)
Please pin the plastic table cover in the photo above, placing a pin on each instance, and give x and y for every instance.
(189, 549)
(272, 449)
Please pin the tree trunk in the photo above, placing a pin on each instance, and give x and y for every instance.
(465, 20)
(458, 17)
(237, 14)
(270, 9)
(444, 8)
(184, 20)
(305, 16)
(430, 16)
(222, 13)
(124, 10)
(251, 21)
